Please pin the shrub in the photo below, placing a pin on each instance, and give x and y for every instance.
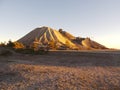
(18, 45)
(10, 44)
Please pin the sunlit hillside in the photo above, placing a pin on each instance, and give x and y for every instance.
(61, 39)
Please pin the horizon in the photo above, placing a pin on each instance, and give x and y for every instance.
(96, 19)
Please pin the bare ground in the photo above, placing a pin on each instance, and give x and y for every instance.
(86, 70)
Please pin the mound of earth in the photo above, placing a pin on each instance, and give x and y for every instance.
(45, 35)
(92, 44)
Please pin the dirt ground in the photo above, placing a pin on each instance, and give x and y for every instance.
(61, 70)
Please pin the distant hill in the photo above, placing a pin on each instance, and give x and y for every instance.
(60, 38)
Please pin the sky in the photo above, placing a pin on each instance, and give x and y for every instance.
(97, 19)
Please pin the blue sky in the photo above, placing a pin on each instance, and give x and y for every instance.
(97, 19)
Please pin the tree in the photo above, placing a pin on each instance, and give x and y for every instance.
(10, 44)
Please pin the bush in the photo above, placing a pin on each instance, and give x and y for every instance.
(10, 44)
(18, 45)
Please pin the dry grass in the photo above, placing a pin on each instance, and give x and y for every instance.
(30, 73)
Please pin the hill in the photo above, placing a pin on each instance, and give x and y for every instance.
(46, 35)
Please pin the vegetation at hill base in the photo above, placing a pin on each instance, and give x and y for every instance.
(21, 48)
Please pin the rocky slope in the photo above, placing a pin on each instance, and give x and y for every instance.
(60, 38)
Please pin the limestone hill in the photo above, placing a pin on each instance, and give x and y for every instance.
(60, 38)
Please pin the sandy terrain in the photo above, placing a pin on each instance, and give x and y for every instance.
(67, 70)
